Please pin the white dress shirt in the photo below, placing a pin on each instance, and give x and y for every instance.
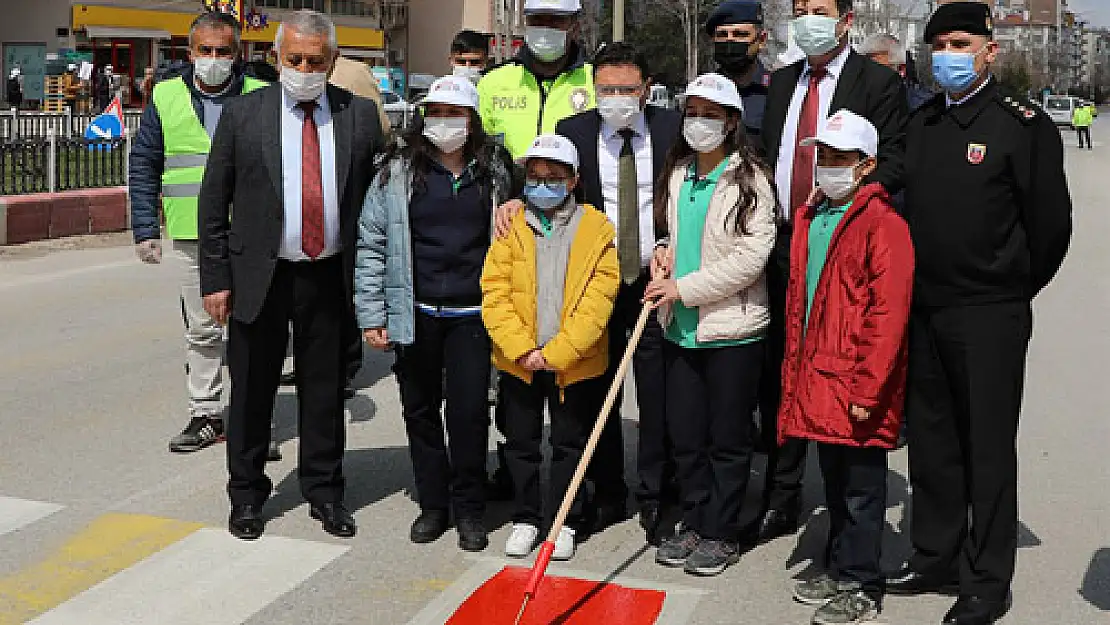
(950, 102)
(292, 126)
(609, 147)
(784, 167)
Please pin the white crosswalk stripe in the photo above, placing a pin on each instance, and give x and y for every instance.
(18, 513)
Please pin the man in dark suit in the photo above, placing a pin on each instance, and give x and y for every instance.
(293, 163)
(622, 146)
(830, 78)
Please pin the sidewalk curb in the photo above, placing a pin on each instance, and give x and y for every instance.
(39, 216)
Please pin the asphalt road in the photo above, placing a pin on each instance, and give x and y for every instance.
(99, 524)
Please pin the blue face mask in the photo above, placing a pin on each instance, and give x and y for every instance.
(955, 71)
(546, 196)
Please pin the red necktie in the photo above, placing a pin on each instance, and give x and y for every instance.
(801, 178)
(312, 190)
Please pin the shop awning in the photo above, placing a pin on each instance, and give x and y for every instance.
(357, 53)
(120, 32)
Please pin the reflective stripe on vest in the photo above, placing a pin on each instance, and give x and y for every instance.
(186, 146)
(514, 107)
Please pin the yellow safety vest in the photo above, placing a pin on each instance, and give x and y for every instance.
(517, 108)
(186, 146)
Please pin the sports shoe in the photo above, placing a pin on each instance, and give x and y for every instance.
(522, 540)
(201, 432)
(848, 607)
(564, 545)
(674, 550)
(816, 591)
(712, 557)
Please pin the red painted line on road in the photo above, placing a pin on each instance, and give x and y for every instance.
(560, 601)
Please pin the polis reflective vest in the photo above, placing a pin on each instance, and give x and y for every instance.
(516, 107)
(186, 146)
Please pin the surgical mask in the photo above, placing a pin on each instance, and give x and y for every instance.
(546, 44)
(473, 74)
(212, 72)
(816, 34)
(955, 71)
(303, 86)
(837, 182)
(546, 196)
(447, 133)
(734, 57)
(703, 134)
(619, 111)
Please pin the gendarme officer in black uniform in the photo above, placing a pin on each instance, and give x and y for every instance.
(990, 215)
(736, 27)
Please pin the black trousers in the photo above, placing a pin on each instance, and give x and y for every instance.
(1084, 132)
(710, 393)
(855, 492)
(966, 376)
(786, 464)
(311, 295)
(654, 462)
(572, 418)
(452, 474)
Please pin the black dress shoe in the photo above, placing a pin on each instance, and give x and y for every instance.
(472, 535)
(776, 524)
(650, 516)
(246, 522)
(499, 486)
(907, 581)
(975, 610)
(429, 526)
(335, 519)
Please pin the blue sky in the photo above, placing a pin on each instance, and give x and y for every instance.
(1095, 11)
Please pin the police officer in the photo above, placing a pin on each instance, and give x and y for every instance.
(736, 27)
(168, 159)
(988, 240)
(548, 81)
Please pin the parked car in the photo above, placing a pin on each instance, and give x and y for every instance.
(1060, 108)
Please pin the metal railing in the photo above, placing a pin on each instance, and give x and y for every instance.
(54, 163)
(35, 124)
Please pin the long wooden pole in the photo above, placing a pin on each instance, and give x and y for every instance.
(548, 547)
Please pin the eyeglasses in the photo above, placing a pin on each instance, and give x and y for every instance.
(611, 90)
(547, 182)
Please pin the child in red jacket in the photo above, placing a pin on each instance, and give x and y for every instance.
(844, 376)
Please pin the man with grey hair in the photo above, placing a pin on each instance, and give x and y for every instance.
(295, 161)
(167, 160)
(886, 49)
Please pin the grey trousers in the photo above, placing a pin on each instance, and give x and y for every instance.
(204, 338)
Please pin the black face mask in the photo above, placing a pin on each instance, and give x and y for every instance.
(733, 56)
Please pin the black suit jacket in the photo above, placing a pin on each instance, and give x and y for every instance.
(583, 130)
(244, 177)
(865, 88)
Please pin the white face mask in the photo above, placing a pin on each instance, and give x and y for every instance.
(703, 134)
(816, 34)
(837, 182)
(447, 133)
(301, 86)
(473, 74)
(212, 72)
(546, 44)
(619, 111)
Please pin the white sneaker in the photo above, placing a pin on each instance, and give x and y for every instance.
(564, 545)
(522, 540)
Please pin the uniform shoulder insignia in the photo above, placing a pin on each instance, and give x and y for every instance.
(1020, 107)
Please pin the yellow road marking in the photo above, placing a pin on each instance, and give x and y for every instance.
(109, 545)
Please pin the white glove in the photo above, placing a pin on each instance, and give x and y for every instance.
(149, 251)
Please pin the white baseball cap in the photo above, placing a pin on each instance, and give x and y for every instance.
(846, 131)
(716, 88)
(555, 148)
(453, 90)
(561, 7)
